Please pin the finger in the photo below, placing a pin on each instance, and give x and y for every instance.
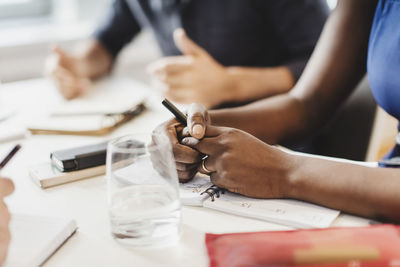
(208, 145)
(186, 167)
(64, 59)
(197, 120)
(185, 132)
(186, 45)
(6, 187)
(174, 81)
(181, 96)
(66, 79)
(185, 154)
(216, 180)
(209, 164)
(68, 91)
(170, 65)
(213, 131)
(186, 176)
(60, 52)
(190, 141)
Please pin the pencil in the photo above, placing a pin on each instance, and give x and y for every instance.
(10, 156)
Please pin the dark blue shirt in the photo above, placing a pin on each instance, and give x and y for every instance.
(235, 32)
(384, 58)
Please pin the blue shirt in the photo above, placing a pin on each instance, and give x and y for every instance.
(384, 59)
(254, 33)
(384, 56)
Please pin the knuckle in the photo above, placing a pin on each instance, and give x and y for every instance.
(225, 160)
(185, 176)
(222, 174)
(168, 68)
(197, 116)
(231, 132)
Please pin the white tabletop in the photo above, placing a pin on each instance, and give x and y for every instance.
(85, 201)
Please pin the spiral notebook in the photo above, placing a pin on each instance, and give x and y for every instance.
(201, 192)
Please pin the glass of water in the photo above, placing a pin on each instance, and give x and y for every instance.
(142, 185)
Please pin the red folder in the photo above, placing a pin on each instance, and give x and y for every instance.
(372, 246)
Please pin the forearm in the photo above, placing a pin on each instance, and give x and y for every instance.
(336, 66)
(272, 120)
(248, 83)
(352, 188)
(95, 61)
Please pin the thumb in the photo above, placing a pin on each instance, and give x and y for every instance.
(58, 51)
(197, 120)
(63, 57)
(186, 45)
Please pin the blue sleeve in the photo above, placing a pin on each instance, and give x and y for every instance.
(299, 24)
(118, 29)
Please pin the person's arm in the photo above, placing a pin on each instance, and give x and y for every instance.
(336, 66)
(95, 57)
(243, 84)
(369, 192)
(198, 77)
(6, 188)
(243, 164)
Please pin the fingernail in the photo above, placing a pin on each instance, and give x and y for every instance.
(197, 130)
(185, 141)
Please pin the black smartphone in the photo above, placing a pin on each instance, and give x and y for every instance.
(80, 158)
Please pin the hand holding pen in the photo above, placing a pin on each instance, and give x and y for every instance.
(188, 160)
(195, 126)
(193, 132)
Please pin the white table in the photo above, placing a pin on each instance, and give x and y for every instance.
(85, 201)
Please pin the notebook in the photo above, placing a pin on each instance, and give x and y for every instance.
(35, 238)
(85, 124)
(109, 104)
(287, 212)
(45, 175)
(282, 211)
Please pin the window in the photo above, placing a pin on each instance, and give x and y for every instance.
(24, 8)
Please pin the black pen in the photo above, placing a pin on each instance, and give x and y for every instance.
(9, 156)
(179, 115)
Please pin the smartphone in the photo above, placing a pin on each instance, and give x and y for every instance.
(47, 175)
(79, 158)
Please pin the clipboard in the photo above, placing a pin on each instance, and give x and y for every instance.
(114, 120)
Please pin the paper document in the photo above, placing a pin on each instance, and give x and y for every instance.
(292, 213)
(36, 238)
(108, 105)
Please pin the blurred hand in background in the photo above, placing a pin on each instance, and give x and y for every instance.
(73, 74)
(6, 188)
(193, 77)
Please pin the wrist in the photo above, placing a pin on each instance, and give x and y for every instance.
(291, 175)
(233, 85)
(82, 67)
(94, 61)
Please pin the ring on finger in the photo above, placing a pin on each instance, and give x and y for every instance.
(204, 168)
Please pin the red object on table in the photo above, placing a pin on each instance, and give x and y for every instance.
(372, 246)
